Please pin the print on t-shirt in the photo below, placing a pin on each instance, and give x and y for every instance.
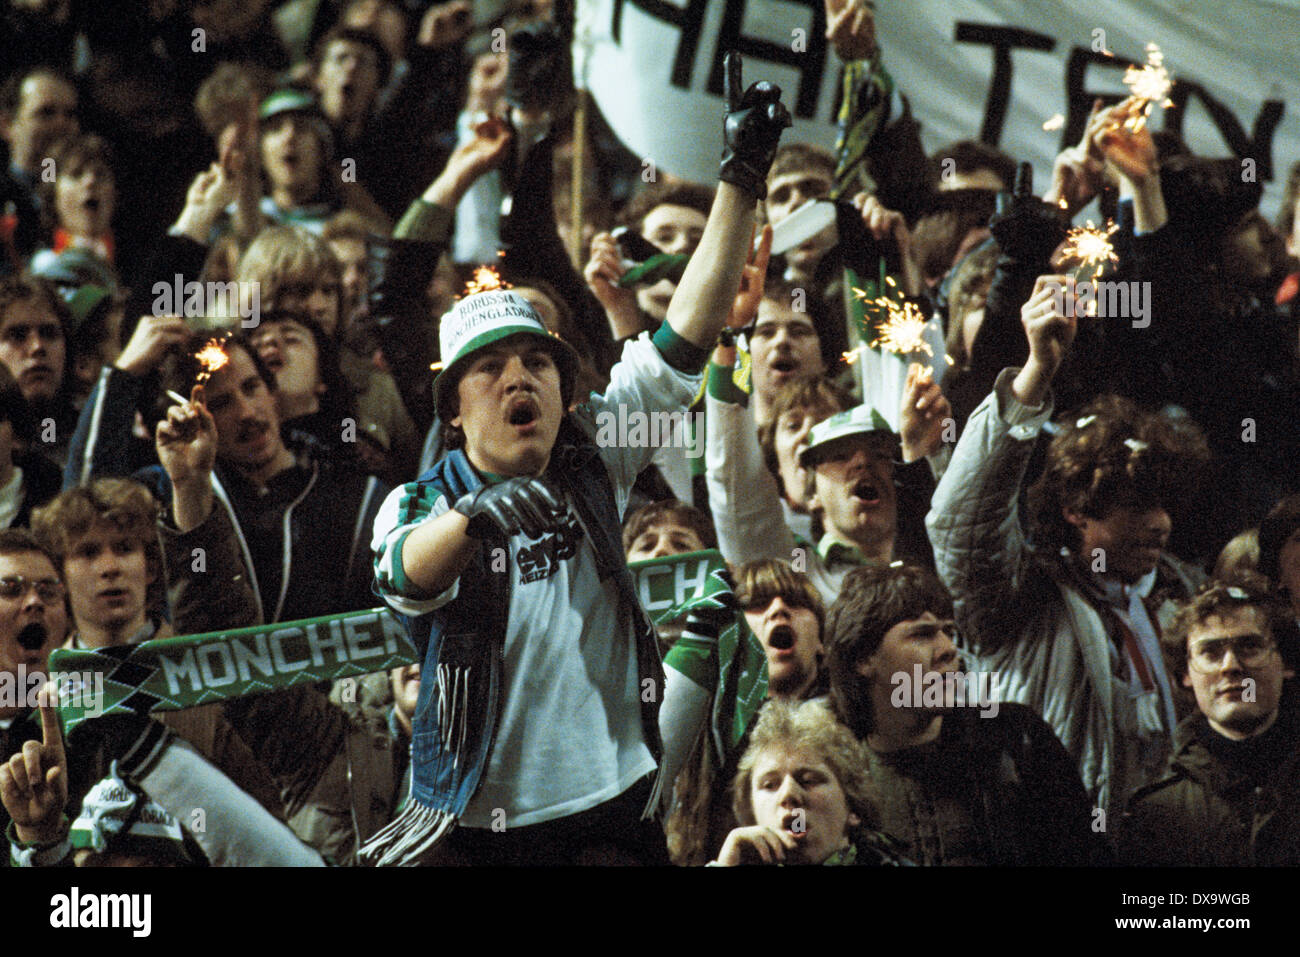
(540, 561)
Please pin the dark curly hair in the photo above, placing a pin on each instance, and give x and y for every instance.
(1112, 454)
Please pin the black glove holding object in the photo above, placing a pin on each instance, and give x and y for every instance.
(751, 131)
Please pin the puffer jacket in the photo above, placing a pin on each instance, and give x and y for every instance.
(1205, 813)
(1026, 616)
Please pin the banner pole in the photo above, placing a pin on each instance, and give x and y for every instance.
(575, 182)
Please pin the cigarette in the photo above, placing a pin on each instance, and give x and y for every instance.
(177, 397)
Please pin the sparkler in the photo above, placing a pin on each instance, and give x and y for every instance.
(1148, 85)
(486, 279)
(211, 358)
(902, 327)
(1091, 245)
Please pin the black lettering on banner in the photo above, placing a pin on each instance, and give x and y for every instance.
(1079, 101)
(1002, 40)
(1258, 146)
(811, 63)
(689, 20)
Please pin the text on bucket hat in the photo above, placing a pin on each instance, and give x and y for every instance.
(481, 319)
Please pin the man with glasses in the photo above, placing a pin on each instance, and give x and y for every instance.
(1232, 775)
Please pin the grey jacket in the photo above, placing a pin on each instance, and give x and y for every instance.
(1028, 617)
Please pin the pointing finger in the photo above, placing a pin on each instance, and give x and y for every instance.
(731, 85)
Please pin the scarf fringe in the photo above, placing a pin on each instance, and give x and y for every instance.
(407, 838)
(656, 796)
(453, 708)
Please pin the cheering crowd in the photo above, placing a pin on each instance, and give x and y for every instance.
(298, 319)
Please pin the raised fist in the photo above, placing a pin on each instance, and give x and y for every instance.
(751, 131)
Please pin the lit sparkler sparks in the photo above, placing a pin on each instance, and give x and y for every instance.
(486, 279)
(211, 358)
(1149, 84)
(902, 331)
(1055, 122)
(1091, 245)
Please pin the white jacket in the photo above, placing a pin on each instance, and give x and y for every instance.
(1027, 617)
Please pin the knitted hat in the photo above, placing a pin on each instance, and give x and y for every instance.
(859, 420)
(483, 318)
(115, 816)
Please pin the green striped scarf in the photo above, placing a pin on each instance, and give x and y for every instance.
(171, 674)
(733, 666)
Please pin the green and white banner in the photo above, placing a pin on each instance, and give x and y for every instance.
(171, 674)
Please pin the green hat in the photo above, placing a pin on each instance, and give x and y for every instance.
(859, 420)
(483, 318)
(116, 816)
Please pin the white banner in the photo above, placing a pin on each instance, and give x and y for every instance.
(989, 69)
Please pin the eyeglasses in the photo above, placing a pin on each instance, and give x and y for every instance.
(1207, 656)
(14, 587)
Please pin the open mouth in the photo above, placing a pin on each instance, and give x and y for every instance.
(781, 638)
(784, 364)
(92, 204)
(273, 363)
(33, 636)
(113, 593)
(523, 412)
(866, 492)
(795, 823)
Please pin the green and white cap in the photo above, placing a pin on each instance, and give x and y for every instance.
(859, 420)
(115, 816)
(486, 317)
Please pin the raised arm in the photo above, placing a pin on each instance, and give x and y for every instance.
(752, 130)
(979, 547)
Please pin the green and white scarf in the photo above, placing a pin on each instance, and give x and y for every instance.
(171, 674)
(696, 584)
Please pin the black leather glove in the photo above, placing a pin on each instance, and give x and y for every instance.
(751, 131)
(1026, 228)
(516, 505)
